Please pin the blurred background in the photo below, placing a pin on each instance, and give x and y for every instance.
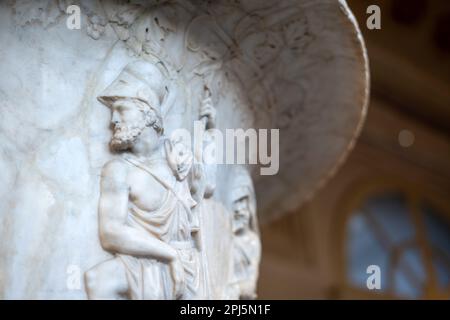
(389, 205)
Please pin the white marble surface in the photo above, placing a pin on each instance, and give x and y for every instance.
(295, 65)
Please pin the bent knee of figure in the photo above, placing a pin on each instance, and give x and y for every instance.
(105, 281)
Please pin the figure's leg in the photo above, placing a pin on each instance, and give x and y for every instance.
(106, 281)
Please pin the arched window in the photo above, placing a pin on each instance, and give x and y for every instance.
(407, 238)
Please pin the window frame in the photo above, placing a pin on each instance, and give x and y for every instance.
(354, 198)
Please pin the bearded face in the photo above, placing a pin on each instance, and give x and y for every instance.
(125, 135)
(128, 123)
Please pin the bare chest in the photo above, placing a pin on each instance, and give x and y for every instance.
(146, 192)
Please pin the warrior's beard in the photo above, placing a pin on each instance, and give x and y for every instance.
(126, 135)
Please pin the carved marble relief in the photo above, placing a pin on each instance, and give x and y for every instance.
(145, 216)
(158, 245)
(148, 218)
(122, 207)
(246, 242)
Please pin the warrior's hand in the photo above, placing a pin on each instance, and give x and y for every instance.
(208, 112)
(179, 157)
(177, 273)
